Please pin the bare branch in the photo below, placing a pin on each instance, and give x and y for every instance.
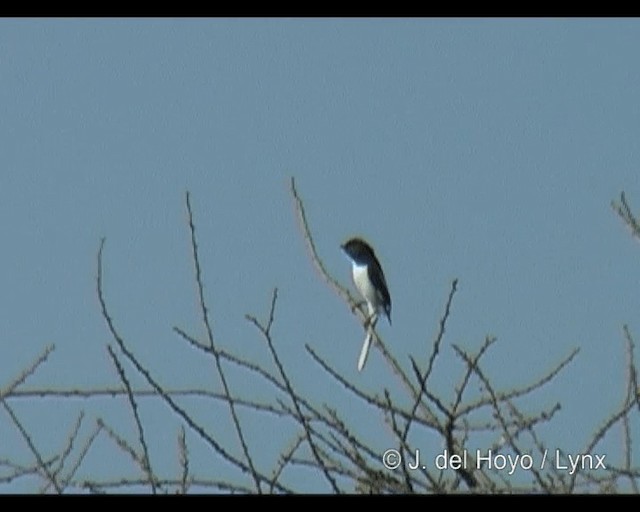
(624, 212)
(315, 259)
(510, 395)
(26, 373)
(65, 452)
(183, 455)
(145, 373)
(265, 330)
(214, 351)
(145, 461)
(83, 452)
(44, 468)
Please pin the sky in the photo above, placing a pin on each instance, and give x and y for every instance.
(487, 150)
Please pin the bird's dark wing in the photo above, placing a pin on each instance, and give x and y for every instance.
(376, 275)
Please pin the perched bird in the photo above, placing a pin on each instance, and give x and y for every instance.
(370, 282)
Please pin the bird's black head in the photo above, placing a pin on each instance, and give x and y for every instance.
(357, 249)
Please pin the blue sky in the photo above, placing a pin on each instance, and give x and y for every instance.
(485, 150)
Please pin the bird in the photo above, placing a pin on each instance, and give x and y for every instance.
(371, 284)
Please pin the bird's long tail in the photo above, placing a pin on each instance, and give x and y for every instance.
(366, 344)
(364, 352)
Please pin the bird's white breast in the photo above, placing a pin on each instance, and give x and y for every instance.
(366, 289)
